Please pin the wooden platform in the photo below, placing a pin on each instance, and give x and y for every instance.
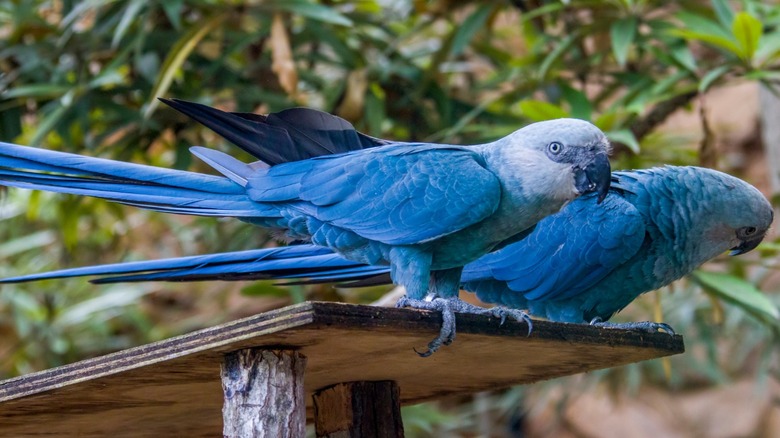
(172, 387)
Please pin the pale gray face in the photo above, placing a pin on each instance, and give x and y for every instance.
(577, 143)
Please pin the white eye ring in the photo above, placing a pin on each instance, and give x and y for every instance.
(555, 148)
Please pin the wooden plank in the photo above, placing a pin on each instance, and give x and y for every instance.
(172, 387)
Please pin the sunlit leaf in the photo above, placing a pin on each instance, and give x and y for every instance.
(747, 30)
(538, 110)
(722, 42)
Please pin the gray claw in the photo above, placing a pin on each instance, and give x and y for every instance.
(448, 307)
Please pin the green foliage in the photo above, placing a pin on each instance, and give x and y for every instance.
(84, 76)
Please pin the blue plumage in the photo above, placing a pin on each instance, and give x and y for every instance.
(424, 209)
(587, 261)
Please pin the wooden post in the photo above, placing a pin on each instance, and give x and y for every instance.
(263, 394)
(358, 409)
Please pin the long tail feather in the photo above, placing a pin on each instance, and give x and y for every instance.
(290, 135)
(149, 187)
(314, 263)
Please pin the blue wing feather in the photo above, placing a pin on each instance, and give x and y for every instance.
(566, 254)
(383, 194)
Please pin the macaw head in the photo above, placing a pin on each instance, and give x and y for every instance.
(578, 145)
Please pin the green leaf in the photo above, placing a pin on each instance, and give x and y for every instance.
(580, 105)
(176, 57)
(723, 11)
(26, 243)
(714, 40)
(556, 53)
(37, 90)
(626, 137)
(264, 288)
(737, 292)
(747, 30)
(622, 33)
(470, 26)
(128, 15)
(682, 55)
(307, 9)
(172, 10)
(538, 110)
(699, 24)
(712, 76)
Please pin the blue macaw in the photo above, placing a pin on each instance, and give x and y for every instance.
(423, 209)
(582, 264)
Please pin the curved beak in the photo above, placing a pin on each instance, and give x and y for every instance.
(746, 246)
(595, 177)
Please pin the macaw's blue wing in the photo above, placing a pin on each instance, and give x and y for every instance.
(565, 255)
(397, 195)
(290, 135)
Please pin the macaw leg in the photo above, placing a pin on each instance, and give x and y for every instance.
(645, 326)
(443, 298)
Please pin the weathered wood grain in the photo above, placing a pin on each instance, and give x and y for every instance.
(358, 409)
(172, 387)
(263, 394)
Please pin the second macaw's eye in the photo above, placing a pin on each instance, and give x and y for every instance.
(555, 148)
(746, 232)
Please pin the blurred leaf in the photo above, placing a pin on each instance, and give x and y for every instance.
(37, 90)
(470, 26)
(739, 293)
(308, 9)
(556, 53)
(626, 137)
(172, 10)
(176, 57)
(712, 76)
(26, 243)
(264, 288)
(747, 30)
(128, 16)
(722, 42)
(622, 33)
(538, 110)
(723, 11)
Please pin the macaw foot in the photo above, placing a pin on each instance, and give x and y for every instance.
(448, 307)
(645, 326)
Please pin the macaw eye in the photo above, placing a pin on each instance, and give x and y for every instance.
(746, 232)
(555, 148)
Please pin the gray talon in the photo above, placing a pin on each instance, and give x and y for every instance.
(448, 307)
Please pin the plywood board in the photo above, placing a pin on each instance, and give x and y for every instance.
(172, 387)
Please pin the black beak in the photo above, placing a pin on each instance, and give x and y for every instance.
(595, 177)
(746, 246)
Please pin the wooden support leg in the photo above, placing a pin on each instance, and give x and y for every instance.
(264, 395)
(358, 409)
